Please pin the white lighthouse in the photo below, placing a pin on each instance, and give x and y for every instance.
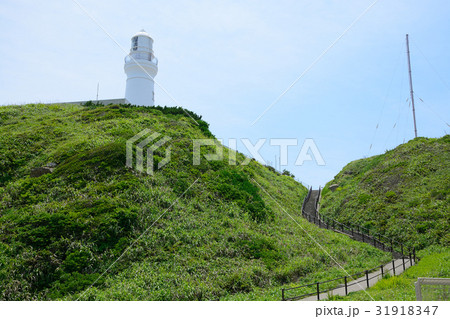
(141, 66)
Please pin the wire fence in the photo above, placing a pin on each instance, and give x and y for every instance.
(436, 289)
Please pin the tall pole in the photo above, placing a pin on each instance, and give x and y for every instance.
(98, 87)
(411, 85)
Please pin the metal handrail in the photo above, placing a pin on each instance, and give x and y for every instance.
(306, 199)
(316, 204)
(353, 277)
(321, 220)
(359, 231)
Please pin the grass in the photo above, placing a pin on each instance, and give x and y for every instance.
(403, 194)
(195, 232)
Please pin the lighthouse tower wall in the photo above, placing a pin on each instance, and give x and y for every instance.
(141, 66)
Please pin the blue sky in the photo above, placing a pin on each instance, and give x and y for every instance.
(229, 60)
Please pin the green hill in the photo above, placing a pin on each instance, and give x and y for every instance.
(189, 232)
(403, 193)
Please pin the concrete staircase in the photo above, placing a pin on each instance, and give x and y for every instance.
(311, 213)
(400, 261)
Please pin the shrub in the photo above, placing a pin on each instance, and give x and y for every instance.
(391, 196)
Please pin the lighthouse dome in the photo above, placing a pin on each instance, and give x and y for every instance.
(142, 33)
(142, 42)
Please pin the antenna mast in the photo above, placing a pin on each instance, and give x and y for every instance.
(411, 85)
(98, 87)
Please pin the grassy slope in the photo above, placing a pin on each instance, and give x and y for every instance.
(225, 238)
(403, 193)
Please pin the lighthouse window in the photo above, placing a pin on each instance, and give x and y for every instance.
(135, 43)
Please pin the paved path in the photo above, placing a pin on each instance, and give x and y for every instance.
(310, 205)
(310, 212)
(361, 283)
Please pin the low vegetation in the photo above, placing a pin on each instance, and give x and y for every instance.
(403, 193)
(93, 229)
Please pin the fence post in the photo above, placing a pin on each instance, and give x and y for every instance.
(382, 272)
(318, 292)
(410, 259)
(401, 246)
(374, 242)
(414, 253)
(393, 266)
(282, 294)
(403, 261)
(367, 278)
(345, 280)
(362, 233)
